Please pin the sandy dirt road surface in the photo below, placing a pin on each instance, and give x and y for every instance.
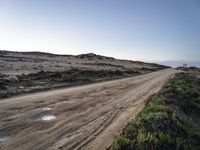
(86, 117)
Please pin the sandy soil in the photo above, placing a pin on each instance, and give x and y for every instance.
(17, 63)
(86, 117)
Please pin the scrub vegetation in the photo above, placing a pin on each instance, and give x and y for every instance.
(171, 119)
(45, 80)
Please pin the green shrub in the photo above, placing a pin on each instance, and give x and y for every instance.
(171, 119)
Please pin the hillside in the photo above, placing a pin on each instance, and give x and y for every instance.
(27, 72)
(13, 63)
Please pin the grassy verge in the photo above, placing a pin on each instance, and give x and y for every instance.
(171, 119)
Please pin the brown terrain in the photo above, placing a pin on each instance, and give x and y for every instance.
(82, 117)
(35, 114)
(17, 63)
(28, 72)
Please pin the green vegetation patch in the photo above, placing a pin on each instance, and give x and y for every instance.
(171, 119)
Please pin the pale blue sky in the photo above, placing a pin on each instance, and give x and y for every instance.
(148, 30)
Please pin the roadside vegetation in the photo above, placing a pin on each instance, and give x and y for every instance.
(45, 80)
(171, 119)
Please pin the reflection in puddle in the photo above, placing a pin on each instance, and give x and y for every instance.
(3, 136)
(48, 117)
(46, 108)
(69, 102)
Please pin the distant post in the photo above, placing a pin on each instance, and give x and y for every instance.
(185, 65)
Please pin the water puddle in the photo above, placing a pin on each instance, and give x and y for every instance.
(48, 117)
(3, 136)
(46, 108)
(69, 102)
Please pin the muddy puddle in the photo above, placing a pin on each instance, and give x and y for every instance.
(48, 117)
(46, 108)
(3, 136)
(68, 102)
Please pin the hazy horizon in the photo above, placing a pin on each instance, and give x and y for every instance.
(172, 63)
(155, 31)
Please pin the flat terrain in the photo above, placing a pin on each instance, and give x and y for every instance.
(84, 117)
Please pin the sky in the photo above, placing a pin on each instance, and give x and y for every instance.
(147, 30)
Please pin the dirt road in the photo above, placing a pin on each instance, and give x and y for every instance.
(84, 117)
